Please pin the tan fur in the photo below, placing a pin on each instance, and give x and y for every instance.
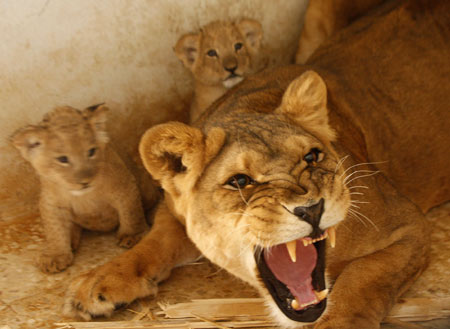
(354, 111)
(323, 18)
(95, 191)
(213, 74)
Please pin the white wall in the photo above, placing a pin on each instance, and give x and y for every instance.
(83, 52)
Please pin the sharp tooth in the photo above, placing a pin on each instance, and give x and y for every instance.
(332, 236)
(305, 242)
(292, 250)
(321, 295)
(294, 304)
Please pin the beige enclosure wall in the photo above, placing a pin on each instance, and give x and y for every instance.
(83, 52)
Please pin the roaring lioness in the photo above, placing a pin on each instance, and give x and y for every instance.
(308, 182)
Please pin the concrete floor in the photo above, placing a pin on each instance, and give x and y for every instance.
(31, 299)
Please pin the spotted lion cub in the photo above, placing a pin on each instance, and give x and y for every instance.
(219, 56)
(84, 183)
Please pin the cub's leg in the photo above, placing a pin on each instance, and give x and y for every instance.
(75, 236)
(368, 287)
(57, 222)
(135, 273)
(131, 217)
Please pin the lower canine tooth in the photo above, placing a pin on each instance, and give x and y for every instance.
(321, 295)
(295, 305)
(332, 236)
(292, 250)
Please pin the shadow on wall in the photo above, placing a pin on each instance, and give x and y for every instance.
(115, 51)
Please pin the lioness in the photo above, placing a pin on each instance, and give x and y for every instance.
(309, 186)
(84, 183)
(219, 56)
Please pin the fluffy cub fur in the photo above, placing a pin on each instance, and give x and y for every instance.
(219, 56)
(84, 183)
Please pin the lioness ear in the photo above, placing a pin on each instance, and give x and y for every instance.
(29, 140)
(174, 150)
(187, 49)
(251, 30)
(305, 102)
(96, 116)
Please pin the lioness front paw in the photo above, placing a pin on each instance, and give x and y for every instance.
(49, 263)
(105, 289)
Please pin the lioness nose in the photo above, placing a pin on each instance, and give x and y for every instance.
(311, 214)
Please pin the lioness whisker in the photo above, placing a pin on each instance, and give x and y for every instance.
(357, 217)
(355, 206)
(358, 201)
(361, 176)
(360, 193)
(340, 163)
(367, 218)
(361, 164)
(242, 196)
(359, 186)
(357, 171)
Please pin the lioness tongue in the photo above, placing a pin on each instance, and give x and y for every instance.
(296, 276)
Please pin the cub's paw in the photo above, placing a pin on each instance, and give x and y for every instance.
(49, 263)
(105, 289)
(128, 241)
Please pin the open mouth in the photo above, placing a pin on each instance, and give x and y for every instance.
(294, 275)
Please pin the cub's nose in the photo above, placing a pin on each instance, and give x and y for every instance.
(311, 214)
(231, 69)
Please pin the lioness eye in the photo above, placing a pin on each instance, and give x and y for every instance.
(91, 152)
(312, 156)
(238, 46)
(63, 159)
(211, 53)
(239, 181)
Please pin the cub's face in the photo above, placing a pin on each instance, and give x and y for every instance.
(66, 148)
(222, 52)
(260, 193)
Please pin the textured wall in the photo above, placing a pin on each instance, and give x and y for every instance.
(85, 52)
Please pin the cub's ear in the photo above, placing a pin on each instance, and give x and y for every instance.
(176, 154)
(29, 140)
(187, 49)
(252, 32)
(96, 116)
(305, 102)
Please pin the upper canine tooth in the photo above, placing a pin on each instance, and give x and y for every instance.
(332, 236)
(292, 250)
(321, 295)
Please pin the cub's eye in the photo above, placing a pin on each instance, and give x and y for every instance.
(63, 159)
(211, 53)
(313, 156)
(239, 181)
(238, 46)
(92, 152)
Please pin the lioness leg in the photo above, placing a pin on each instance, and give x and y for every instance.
(133, 274)
(368, 287)
(323, 18)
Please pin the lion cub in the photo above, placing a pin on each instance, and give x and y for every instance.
(219, 56)
(84, 183)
